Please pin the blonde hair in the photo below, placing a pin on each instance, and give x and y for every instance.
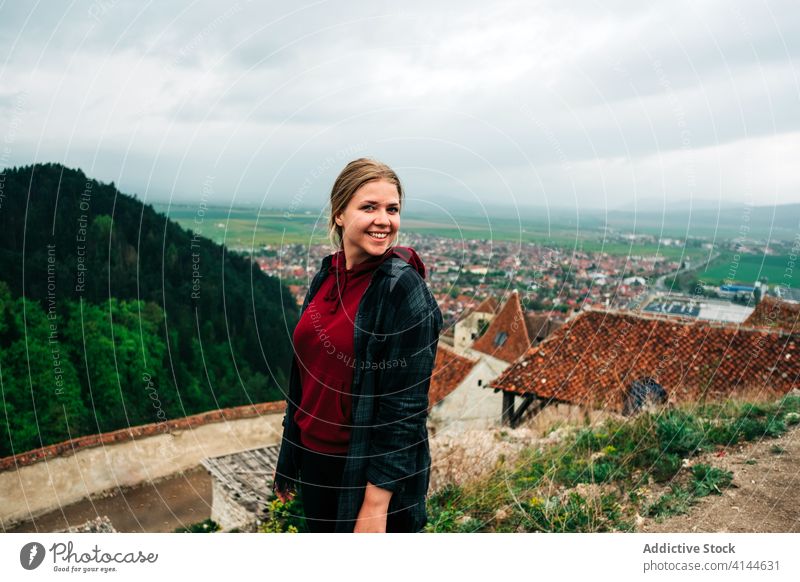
(352, 177)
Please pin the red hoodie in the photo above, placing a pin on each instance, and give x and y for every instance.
(323, 345)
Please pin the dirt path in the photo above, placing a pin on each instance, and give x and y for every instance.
(764, 497)
(176, 501)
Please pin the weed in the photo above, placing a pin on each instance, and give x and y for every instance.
(676, 502)
(679, 432)
(707, 480)
(446, 512)
(574, 513)
(619, 458)
(789, 403)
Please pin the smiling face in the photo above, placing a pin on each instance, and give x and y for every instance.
(370, 221)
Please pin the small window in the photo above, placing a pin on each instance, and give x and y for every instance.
(480, 382)
(500, 339)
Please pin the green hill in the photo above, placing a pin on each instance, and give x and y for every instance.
(113, 315)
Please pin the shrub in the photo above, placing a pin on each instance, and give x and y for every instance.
(586, 440)
(284, 517)
(724, 434)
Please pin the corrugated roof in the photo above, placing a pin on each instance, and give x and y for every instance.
(593, 359)
(246, 475)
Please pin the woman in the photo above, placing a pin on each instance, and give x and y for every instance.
(354, 438)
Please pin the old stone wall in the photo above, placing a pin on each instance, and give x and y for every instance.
(36, 482)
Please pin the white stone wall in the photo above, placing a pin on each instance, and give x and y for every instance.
(469, 406)
(39, 488)
(466, 327)
(227, 513)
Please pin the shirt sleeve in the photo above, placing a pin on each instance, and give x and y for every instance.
(402, 406)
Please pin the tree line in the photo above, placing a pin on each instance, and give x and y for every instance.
(113, 315)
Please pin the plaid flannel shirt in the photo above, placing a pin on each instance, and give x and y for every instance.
(395, 340)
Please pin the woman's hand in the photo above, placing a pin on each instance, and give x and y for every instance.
(284, 496)
(372, 515)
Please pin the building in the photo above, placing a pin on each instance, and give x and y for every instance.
(457, 398)
(241, 487)
(512, 331)
(700, 308)
(599, 359)
(469, 327)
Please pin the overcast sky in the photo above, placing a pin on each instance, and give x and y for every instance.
(595, 104)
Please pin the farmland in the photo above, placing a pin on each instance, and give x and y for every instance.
(748, 268)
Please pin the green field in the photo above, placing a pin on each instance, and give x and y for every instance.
(245, 228)
(747, 269)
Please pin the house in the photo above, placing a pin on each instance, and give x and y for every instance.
(509, 332)
(598, 359)
(457, 398)
(512, 331)
(470, 325)
(241, 486)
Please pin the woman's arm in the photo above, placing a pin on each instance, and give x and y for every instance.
(403, 379)
(373, 514)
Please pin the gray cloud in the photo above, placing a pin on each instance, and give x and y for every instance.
(595, 104)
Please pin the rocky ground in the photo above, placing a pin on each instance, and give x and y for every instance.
(763, 498)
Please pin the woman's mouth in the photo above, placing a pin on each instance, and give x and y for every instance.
(378, 235)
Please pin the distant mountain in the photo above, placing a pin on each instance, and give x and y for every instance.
(135, 308)
(751, 222)
(656, 204)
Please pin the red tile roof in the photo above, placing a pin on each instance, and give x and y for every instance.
(521, 329)
(488, 305)
(449, 371)
(775, 314)
(594, 357)
(507, 335)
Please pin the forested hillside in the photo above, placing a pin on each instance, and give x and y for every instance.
(112, 315)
